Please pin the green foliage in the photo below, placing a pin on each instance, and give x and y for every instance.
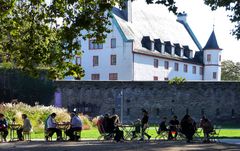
(33, 35)
(230, 70)
(170, 4)
(177, 80)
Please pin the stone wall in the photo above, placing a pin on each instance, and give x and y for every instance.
(220, 101)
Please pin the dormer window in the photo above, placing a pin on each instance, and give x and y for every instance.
(147, 43)
(168, 47)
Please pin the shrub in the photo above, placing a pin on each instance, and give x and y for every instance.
(177, 80)
(38, 114)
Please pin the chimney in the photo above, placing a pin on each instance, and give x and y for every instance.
(127, 11)
(182, 18)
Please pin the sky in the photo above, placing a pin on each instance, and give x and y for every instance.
(201, 20)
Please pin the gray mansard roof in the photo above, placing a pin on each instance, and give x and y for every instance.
(156, 22)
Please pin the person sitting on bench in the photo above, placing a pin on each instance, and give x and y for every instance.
(162, 126)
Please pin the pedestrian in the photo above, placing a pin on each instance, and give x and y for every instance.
(207, 127)
(188, 127)
(144, 124)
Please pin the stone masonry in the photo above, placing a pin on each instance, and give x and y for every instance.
(220, 101)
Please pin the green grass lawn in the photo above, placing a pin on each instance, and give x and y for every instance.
(94, 134)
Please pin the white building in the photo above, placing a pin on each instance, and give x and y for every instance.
(148, 43)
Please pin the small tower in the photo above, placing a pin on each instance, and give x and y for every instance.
(212, 59)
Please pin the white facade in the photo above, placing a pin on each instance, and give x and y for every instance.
(144, 69)
(124, 64)
(212, 64)
(136, 59)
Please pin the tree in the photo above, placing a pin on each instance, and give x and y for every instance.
(32, 37)
(36, 34)
(230, 70)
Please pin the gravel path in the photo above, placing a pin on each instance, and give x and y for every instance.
(112, 146)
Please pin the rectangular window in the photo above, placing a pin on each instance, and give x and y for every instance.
(176, 66)
(185, 68)
(155, 78)
(113, 59)
(95, 76)
(155, 63)
(93, 45)
(214, 75)
(208, 57)
(220, 58)
(194, 69)
(165, 79)
(113, 76)
(78, 60)
(201, 70)
(113, 43)
(95, 60)
(166, 64)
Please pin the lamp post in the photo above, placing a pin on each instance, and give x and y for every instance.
(121, 109)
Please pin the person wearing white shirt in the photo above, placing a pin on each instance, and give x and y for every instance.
(76, 125)
(51, 126)
(27, 127)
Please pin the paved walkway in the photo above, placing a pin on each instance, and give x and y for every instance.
(111, 146)
(230, 141)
